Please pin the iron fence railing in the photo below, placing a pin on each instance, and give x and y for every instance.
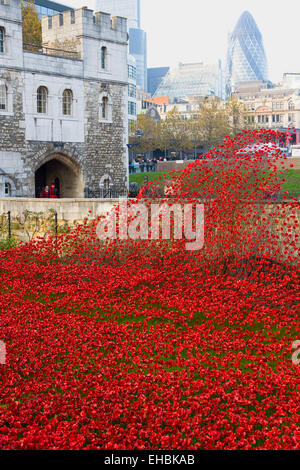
(51, 51)
(103, 193)
(7, 225)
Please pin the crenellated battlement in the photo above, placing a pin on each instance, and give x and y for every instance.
(85, 33)
(66, 97)
(85, 20)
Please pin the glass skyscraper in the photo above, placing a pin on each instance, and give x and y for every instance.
(155, 76)
(198, 80)
(246, 59)
(138, 49)
(48, 8)
(130, 9)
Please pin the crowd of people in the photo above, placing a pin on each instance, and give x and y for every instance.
(141, 166)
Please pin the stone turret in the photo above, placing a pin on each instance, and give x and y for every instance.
(85, 33)
(64, 116)
(71, 29)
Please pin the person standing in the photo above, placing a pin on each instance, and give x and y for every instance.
(45, 193)
(53, 194)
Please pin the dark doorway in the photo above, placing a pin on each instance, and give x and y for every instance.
(63, 173)
(40, 180)
(57, 185)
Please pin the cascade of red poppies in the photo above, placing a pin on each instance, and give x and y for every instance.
(122, 344)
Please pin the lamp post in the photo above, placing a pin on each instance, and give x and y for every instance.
(138, 134)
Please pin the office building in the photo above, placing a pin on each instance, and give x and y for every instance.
(246, 57)
(138, 49)
(132, 98)
(155, 76)
(130, 9)
(49, 8)
(197, 80)
(271, 108)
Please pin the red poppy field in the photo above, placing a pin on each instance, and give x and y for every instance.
(144, 345)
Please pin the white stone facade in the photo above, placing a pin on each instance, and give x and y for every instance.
(66, 102)
(271, 108)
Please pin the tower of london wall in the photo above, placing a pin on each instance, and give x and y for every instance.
(63, 106)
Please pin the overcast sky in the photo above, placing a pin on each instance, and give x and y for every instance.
(197, 30)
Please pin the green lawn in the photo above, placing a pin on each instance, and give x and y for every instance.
(292, 183)
(152, 175)
(292, 177)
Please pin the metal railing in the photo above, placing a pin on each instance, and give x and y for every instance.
(51, 51)
(104, 193)
(6, 225)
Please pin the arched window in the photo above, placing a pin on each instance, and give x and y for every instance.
(1, 40)
(103, 57)
(3, 97)
(67, 103)
(42, 100)
(106, 184)
(104, 107)
(7, 190)
(291, 105)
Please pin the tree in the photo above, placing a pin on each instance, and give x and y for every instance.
(174, 132)
(237, 117)
(213, 122)
(32, 29)
(148, 130)
(194, 129)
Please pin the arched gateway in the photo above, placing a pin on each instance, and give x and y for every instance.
(63, 172)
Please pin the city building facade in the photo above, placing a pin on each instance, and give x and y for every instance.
(132, 98)
(290, 80)
(271, 108)
(246, 57)
(195, 79)
(138, 49)
(130, 9)
(64, 111)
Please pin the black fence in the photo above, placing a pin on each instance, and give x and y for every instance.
(6, 225)
(103, 193)
(50, 51)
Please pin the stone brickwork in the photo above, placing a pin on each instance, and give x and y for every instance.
(83, 149)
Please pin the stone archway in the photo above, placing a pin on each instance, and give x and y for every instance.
(61, 170)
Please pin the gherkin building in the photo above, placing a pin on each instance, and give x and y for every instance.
(246, 58)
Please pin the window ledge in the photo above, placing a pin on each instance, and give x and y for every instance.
(6, 113)
(105, 121)
(68, 118)
(42, 116)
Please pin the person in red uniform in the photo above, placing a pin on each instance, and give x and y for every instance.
(53, 194)
(45, 192)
